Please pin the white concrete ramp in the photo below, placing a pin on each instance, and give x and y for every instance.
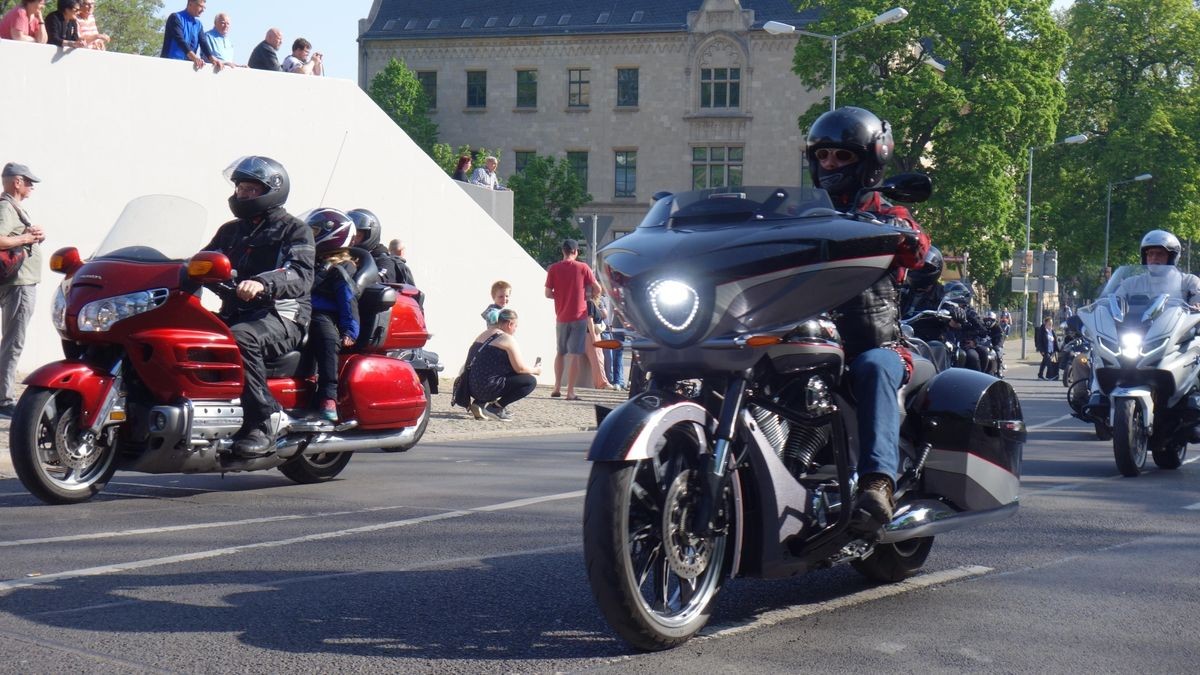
(100, 129)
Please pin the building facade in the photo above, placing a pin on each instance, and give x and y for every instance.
(639, 96)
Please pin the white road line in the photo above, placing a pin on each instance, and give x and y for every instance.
(780, 615)
(320, 536)
(1048, 423)
(1193, 507)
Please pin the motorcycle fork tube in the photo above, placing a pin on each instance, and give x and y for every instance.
(713, 465)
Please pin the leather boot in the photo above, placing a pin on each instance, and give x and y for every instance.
(874, 504)
(255, 443)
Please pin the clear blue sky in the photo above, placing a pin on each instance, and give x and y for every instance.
(330, 25)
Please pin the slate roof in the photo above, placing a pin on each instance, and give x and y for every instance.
(417, 19)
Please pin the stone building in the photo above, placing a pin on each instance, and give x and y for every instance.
(639, 95)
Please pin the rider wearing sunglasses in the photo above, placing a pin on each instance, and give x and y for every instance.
(848, 149)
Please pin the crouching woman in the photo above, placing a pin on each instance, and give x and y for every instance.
(499, 376)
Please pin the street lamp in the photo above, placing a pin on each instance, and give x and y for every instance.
(1070, 140)
(1108, 211)
(779, 28)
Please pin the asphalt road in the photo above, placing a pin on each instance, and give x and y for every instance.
(466, 557)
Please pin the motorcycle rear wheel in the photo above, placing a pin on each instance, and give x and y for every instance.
(1103, 433)
(309, 469)
(48, 457)
(890, 563)
(654, 580)
(1129, 438)
(1170, 457)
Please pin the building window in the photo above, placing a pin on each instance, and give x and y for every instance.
(522, 158)
(716, 166)
(626, 173)
(526, 88)
(578, 161)
(627, 87)
(720, 87)
(476, 88)
(428, 80)
(579, 93)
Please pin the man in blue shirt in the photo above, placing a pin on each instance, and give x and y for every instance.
(181, 37)
(220, 47)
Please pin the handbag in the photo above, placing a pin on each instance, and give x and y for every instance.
(461, 393)
(11, 259)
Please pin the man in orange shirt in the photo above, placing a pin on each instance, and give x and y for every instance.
(569, 282)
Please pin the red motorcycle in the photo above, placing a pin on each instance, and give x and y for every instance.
(152, 378)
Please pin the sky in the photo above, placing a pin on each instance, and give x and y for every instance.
(330, 25)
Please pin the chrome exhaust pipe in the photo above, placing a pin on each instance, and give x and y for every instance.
(322, 443)
(927, 517)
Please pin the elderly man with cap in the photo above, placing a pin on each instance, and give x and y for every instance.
(17, 294)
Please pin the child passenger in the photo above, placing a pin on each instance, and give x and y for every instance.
(501, 295)
(335, 307)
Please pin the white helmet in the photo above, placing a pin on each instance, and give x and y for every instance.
(1161, 239)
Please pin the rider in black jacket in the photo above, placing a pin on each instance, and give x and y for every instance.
(272, 253)
(848, 149)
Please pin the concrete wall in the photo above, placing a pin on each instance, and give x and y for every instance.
(497, 203)
(101, 129)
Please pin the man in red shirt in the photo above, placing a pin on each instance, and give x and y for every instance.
(569, 282)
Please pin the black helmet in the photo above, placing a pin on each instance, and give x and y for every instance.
(332, 230)
(928, 273)
(958, 293)
(368, 226)
(857, 130)
(264, 171)
(1161, 239)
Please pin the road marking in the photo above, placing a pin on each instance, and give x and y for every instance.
(777, 616)
(1092, 481)
(1048, 423)
(1193, 507)
(320, 536)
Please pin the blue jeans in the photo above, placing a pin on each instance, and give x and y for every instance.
(875, 379)
(613, 367)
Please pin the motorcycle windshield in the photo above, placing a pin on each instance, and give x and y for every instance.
(1140, 284)
(732, 205)
(155, 228)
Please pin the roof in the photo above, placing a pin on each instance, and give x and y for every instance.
(418, 19)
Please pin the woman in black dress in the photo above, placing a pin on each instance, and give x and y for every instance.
(499, 376)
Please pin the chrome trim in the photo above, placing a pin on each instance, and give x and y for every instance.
(111, 399)
(928, 517)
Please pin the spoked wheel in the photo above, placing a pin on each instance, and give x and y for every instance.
(55, 461)
(1129, 437)
(890, 563)
(307, 469)
(1171, 456)
(422, 423)
(654, 578)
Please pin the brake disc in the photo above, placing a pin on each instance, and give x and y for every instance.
(74, 450)
(687, 554)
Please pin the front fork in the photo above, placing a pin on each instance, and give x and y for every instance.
(711, 517)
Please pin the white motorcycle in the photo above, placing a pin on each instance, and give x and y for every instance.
(1146, 359)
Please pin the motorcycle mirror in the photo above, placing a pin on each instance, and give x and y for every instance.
(209, 267)
(906, 187)
(66, 261)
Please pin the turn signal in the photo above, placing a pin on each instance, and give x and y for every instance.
(198, 268)
(65, 260)
(763, 340)
(608, 344)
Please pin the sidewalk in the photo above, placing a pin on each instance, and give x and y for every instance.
(536, 415)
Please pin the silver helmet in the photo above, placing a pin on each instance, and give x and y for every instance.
(1161, 239)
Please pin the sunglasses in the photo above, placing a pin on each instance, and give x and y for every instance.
(839, 154)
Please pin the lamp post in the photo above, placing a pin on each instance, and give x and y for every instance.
(779, 28)
(1108, 211)
(1070, 140)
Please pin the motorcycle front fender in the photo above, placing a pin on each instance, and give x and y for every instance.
(626, 433)
(1144, 398)
(92, 385)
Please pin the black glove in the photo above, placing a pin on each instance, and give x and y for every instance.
(958, 314)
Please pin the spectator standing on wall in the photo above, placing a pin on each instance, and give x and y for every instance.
(486, 174)
(181, 36)
(18, 294)
(302, 60)
(266, 55)
(24, 22)
(462, 172)
(88, 31)
(218, 44)
(569, 282)
(61, 28)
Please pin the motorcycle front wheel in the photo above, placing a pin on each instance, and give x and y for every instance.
(653, 577)
(52, 459)
(1170, 457)
(1129, 437)
(308, 469)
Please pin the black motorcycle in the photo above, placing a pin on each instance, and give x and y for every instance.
(739, 459)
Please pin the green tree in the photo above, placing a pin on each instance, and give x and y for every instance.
(397, 91)
(968, 86)
(133, 24)
(1131, 82)
(545, 195)
(447, 157)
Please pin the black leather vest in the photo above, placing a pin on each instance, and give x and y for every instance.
(872, 319)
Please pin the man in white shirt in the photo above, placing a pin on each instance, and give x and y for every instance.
(299, 61)
(486, 174)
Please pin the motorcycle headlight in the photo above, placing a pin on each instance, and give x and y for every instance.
(99, 316)
(675, 304)
(58, 313)
(1131, 345)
